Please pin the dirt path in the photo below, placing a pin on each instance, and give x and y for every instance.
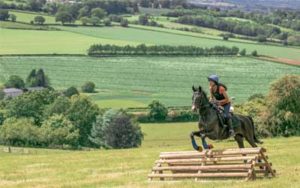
(281, 60)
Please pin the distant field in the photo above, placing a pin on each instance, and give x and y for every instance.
(136, 81)
(48, 42)
(23, 16)
(129, 167)
(18, 25)
(74, 40)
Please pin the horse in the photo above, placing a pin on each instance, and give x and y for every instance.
(210, 123)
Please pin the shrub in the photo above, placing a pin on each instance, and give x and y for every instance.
(15, 82)
(243, 52)
(84, 20)
(124, 22)
(158, 112)
(116, 129)
(13, 17)
(39, 20)
(95, 20)
(261, 38)
(57, 130)
(71, 91)
(107, 22)
(254, 53)
(88, 87)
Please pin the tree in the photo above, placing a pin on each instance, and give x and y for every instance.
(116, 129)
(254, 53)
(71, 91)
(15, 82)
(82, 113)
(64, 17)
(31, 79)
(60, 106)
(39, 20)
(84, 20)
(30, 104)
(261, 38)
(83, 12)
(13, 17)
(37, 79)
(57, 130)
(98, 12)
(95, 21)
(143, 20)
(4, 15)
(282, 116)
(107, 22)
(19, 132)
(243, 52)
(88, 87)
(158, 111)
(124, 23)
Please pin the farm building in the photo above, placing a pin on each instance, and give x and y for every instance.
(12, 92)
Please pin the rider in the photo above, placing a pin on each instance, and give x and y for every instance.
(219, 96)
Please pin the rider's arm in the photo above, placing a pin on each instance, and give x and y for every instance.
(211, 96)
(226, 100)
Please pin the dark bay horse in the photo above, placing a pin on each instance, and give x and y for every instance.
(210, 126)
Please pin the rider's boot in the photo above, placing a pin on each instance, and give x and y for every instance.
(229, 124)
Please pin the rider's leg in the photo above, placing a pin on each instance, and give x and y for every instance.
(228, 119)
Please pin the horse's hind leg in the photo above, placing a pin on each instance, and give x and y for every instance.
(239, 139)
(251, 142)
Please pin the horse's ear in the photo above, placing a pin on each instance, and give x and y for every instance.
(193, 88)
(200, 88)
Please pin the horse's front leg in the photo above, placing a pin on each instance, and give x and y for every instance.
(194, 144)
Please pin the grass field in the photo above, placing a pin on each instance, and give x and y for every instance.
(129, 167)
(135, 81)
(74, 40)
(18, 25)
(24, 16)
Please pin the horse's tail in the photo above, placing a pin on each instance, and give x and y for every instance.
(254, 136)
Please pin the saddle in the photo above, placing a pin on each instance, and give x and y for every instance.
(220, 113)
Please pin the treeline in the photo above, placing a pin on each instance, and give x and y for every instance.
(284, 18)
(110, 6)
(142, 49)
(233, 26)
(163, 3)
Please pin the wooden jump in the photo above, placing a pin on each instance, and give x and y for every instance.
(246, 163)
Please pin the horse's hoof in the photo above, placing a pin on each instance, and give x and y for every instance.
(210, 146)
(200, 149)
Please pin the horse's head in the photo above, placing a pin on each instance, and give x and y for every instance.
(199, 98)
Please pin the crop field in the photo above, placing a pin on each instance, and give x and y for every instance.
(76, 40)
(135, 81)
(129, 167)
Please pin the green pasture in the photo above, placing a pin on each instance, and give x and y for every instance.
(24, 16)
(76, 40)
(136, 81)
(18, 25)
(15, 41)
(129, 167)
